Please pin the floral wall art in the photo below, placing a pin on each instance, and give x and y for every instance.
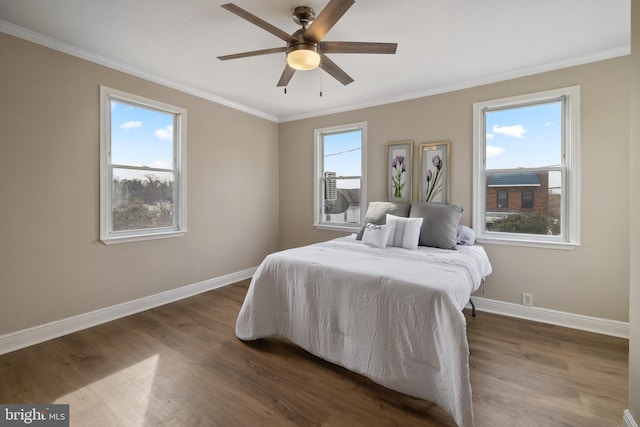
(399, 171)
(434, 172)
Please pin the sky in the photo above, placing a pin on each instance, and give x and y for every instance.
(524, 137)
(141, 136)
(516, 137)
(343, 153)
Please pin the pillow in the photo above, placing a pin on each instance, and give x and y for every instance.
(376, 235)
(440, 224)
(377, 213)
(466, 236)
(403, 232)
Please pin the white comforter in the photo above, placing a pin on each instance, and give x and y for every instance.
(391, 314)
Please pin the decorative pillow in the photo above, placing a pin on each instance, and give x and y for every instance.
(466, 236)
(440, 224)
(377, 213)
(403, 232)
(376, 235)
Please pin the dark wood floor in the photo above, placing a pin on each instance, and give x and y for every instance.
(181, 365)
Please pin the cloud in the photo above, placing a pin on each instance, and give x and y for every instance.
(547, 124)
(131, 124)
(164, 133)
(516, 131)
(161, 164)
(490, 136)
(494, 151)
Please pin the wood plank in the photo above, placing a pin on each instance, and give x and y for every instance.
(181, 364)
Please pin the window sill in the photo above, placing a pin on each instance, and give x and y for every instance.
(566, 246)
(141, 237)
(346, 229)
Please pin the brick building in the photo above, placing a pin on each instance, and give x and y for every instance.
(524, 193)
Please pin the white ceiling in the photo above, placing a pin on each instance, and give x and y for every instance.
(443, 45)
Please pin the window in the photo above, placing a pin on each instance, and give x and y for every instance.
(527, 200)
(142, 168)
(503, 199)
(528, 146)
(340, 190)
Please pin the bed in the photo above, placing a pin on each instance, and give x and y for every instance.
(391, 314)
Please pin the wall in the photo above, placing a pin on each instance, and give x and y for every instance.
(634, 296)
(52, 264)
(591, 280)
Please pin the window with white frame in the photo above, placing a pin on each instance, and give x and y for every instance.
(142, 168)
(528, 147)
(340, 185)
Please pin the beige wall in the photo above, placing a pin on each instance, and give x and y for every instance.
(634, 297)
(591, 280)
(52, 264)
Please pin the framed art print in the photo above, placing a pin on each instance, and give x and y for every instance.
(434, 172)
(399, 171)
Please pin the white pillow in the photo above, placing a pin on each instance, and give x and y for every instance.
(466, 235)
(376, 235)
(404, 232)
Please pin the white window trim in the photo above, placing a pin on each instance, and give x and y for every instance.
(571, 153)
(106, 235)
(318, 178)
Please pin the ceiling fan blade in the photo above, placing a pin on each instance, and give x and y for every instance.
(327, 19)
(286, 76)
(258, 21)
(253, 53)
(358, 47)
(336, 72)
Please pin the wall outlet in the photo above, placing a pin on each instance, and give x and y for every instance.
(527, 299)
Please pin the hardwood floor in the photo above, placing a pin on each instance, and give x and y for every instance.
(181, 365)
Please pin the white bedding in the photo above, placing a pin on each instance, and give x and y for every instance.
(391, 314)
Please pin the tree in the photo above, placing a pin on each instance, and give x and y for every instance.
(142, 204)
(132, 216)
(526, 224)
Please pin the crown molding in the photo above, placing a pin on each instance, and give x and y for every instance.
(32, 36)
(37, 38)
(628, 420)
(494, 78)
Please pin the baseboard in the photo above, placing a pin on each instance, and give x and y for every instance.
(27, 337)
(560, 318)
(628, 420)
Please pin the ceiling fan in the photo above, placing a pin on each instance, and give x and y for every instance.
(305, 49)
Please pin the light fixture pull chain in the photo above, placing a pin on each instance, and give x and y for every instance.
(286, 68)
(320, 69)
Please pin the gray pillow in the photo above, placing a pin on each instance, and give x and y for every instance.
(377, 213)
(439, 225)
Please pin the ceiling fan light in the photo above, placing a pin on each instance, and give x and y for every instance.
(303, 57)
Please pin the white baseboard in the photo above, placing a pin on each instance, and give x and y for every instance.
(27, 337)
(628, 420)
(614, 328)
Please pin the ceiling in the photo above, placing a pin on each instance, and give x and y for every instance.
(443, 45)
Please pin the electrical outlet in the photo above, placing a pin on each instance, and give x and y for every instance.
(527, 299)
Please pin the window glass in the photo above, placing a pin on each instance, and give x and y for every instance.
(339, 166)
(141, 136)
(524, 137)
(527, 169)
(143, 168)
(527, 200)
(518, 140)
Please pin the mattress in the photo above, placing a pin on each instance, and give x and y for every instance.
(391, 314)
